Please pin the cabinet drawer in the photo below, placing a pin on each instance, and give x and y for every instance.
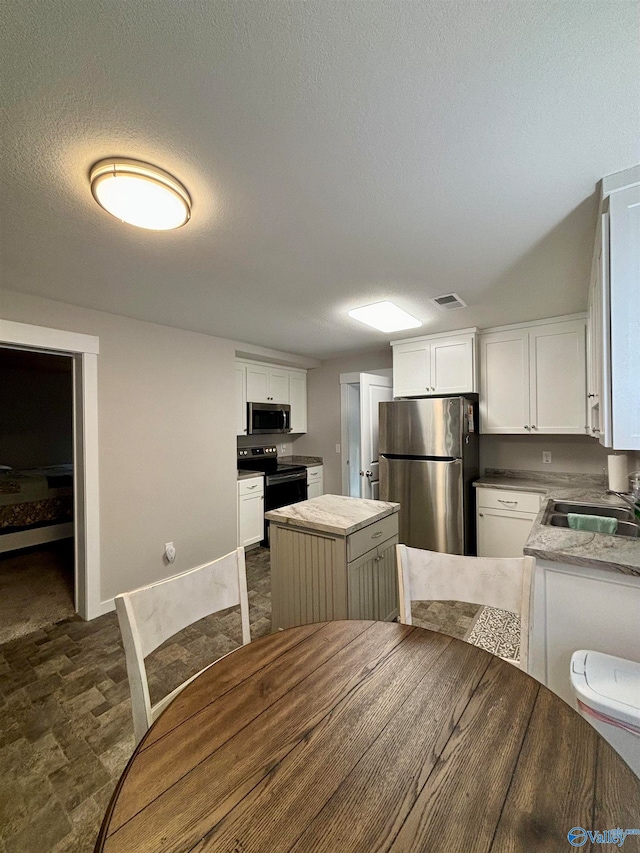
(251, 486)
(503, 499)
(370, 537)
(314, 473)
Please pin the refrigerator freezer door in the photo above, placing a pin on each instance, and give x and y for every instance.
(431, 495)
(427, 427)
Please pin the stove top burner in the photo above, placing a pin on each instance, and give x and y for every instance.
(265, 459)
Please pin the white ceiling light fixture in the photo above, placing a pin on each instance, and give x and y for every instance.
(140, 194)
(385, 316)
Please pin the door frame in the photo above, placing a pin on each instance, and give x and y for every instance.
(84, 351)
(346, 380)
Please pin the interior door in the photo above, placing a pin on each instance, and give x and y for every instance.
(373, 390)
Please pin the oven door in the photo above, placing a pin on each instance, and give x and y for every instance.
(282, 490)
(268, 418)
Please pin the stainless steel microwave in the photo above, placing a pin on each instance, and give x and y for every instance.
(268, 418)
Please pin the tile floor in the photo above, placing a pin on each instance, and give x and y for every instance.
(65, 713)
(36, 588)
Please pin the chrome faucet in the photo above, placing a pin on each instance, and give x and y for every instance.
(628, 499)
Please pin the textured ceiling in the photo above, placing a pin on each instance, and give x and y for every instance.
(337, 153)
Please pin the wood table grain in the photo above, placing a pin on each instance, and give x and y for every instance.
(367, 736)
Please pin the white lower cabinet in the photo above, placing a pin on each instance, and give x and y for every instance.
(504, 521)
(315, 485)
(250, 511)
(579, 607)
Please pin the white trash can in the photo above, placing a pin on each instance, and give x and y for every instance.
(607, 689)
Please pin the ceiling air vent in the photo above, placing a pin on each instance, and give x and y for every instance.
(448, 302)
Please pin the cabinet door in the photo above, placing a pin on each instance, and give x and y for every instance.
(315, 486)
(557, 363)
(241, 399)
(624, 241)
(412, 370)
(453, 365)
(278, 385)
(250, 519)
(257, 384)
(504, 382)
(298, 401)
(372, 584)
(587, 612)
(502, 533)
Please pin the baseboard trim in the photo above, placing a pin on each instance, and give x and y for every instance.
(107, 606)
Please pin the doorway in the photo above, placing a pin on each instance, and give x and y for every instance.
(37, 564)
(83, 352)
(360, 394)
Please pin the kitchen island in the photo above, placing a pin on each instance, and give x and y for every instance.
(586, 586)
(333, 557)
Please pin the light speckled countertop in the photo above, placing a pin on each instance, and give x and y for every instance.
(308, 461)
(244, 475)
(561, 544)
(333, 514)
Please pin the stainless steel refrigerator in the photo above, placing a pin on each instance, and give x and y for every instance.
(428, 455)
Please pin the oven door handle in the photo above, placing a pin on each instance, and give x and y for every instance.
(275, 479)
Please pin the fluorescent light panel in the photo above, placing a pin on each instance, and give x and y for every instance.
(385, 316)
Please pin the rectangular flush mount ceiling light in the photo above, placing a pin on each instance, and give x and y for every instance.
(385, 316)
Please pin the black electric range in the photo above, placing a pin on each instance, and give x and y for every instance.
(284, 483)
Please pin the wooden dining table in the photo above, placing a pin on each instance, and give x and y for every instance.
(367, 736)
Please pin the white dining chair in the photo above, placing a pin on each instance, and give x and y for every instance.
(150, 615)
(501, 582)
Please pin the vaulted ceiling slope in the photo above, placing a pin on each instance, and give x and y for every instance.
(337, 153)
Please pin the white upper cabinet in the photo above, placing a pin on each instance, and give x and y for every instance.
(624, 249)
(504, 382)
(439, 364)
(298, 400)
(266, 383)
(614, 309)
(453, 365)
(557, 369)
(411, 369)
(533, 379)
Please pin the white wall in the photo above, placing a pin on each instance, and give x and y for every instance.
(166, 437)
(323, 393)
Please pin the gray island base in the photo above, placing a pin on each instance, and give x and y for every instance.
(333, 557)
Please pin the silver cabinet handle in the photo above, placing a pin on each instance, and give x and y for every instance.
(255, 486)
(534, 427)
(515, 503)
(377, 535)
(481, 515)
(526, 427)
(368, 473)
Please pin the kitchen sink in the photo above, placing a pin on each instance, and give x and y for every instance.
(625, 528)
(619, 512)
(557, 515)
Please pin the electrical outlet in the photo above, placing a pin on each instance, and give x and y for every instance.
(546, 456)
(283, 448)
(337, 448)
